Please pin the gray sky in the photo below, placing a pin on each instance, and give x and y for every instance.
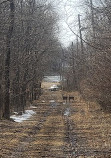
(68, 11)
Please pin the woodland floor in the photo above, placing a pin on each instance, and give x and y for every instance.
(58, 130)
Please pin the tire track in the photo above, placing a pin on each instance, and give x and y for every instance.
(24, 143)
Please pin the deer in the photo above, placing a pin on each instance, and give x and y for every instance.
(64, 98)
(71, 98)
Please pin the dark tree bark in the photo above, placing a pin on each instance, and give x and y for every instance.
(7, 62)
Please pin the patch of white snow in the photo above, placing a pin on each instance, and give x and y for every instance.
(52, 101)
(67, 112)
(33, 107)
(23, 117)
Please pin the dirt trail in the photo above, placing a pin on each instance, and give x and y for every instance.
(58, 130)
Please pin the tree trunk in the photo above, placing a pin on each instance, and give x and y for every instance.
(7, 62)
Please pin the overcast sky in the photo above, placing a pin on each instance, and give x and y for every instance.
(68, 11)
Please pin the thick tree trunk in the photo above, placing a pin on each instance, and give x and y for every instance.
(1, 104)
(7, 62)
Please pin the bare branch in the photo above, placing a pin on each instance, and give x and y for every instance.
(83, 39)
(4, 2)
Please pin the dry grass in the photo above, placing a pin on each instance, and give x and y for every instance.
(90, 126)
(47, 85)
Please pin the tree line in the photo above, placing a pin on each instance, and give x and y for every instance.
(28, 46)
(89, 58)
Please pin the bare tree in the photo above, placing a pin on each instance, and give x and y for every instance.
(7, 60)
(29, 43)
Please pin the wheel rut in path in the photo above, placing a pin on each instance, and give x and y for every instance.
(25, 142)
(60, 130)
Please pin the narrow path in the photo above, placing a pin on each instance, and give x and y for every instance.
(58, 130)
(46, 137)
(25, 142)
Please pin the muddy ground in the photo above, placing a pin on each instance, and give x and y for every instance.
(77, 129)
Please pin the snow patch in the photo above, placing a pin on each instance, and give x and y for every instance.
(52, 78)
(67, 112)
(53, 86)
(33, 107)
(52, 101)
(23, 117)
